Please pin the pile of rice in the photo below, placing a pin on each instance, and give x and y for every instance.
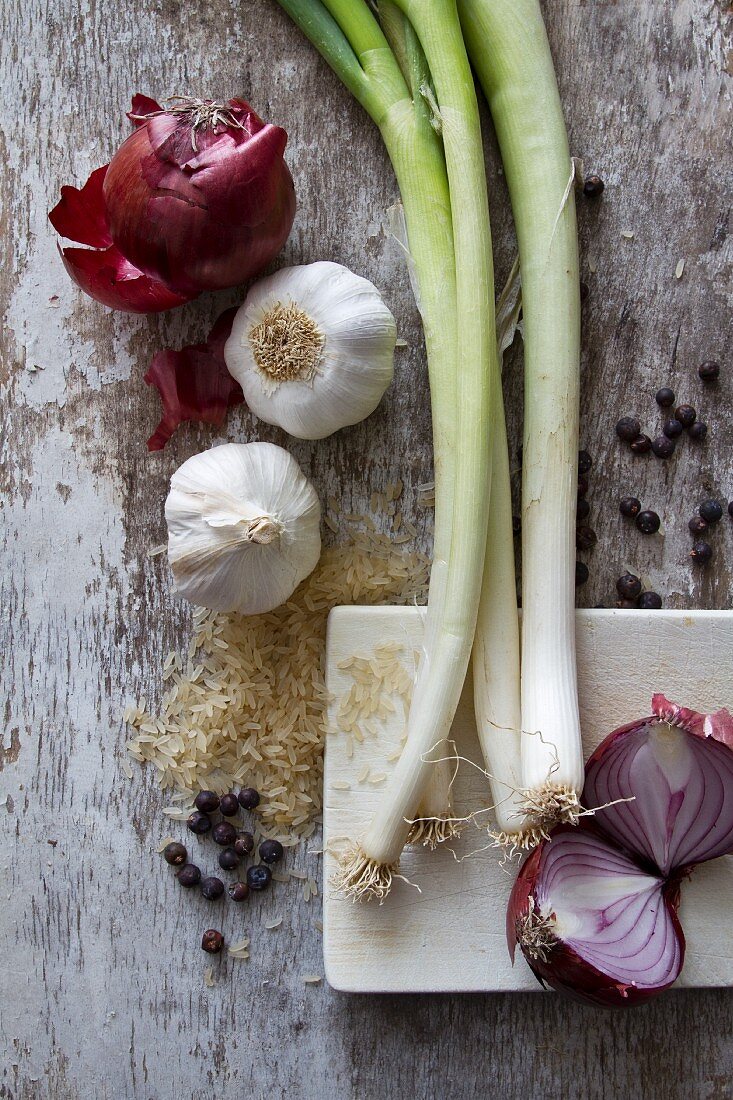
(376, 679)
(246, 706)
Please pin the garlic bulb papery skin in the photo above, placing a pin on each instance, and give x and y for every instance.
(243, 527)
(313, 349)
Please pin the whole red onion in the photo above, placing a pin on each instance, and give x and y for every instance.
(197, 198)
(594, 908)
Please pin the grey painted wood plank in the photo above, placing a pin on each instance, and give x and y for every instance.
(102, 991)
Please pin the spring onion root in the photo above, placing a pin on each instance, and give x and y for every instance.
(431, 832)
(435, 821)
(360, 877)
(510, 52)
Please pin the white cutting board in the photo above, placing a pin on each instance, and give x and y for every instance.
(450, 936)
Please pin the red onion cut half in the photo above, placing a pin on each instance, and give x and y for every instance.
(675, 768)
(594, 924)
(594, 908)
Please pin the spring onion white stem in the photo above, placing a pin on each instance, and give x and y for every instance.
(510, 52)
(496, 679)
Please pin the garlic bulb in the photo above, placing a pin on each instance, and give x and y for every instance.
(312, 348)
(243, 527)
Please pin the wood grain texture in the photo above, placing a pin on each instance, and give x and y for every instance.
(101, 989)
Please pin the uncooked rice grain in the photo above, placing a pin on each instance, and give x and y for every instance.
(239, 950)
(246, 701)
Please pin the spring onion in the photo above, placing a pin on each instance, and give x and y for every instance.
(434, 821)
(508, 46)
(462, 356)
(449, 634)
(496, 664)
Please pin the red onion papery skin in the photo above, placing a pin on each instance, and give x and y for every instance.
(194, 383)
(627, 952)
(719, 725)
(679, 779)
(180, 208)
(101, 270)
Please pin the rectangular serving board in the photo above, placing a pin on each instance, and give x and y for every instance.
(450, 935)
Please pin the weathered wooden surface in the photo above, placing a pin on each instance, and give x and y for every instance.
(101, 990)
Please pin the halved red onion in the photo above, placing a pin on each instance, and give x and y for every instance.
(676, 768)
(593, 923)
